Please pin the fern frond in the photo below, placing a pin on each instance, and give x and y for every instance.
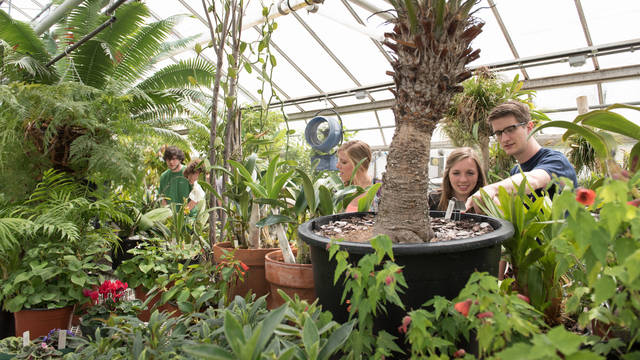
(140, 48)
(21, 36)
(181, 75)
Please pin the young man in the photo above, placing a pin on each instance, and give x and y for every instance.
(511, 124)
(173, 185)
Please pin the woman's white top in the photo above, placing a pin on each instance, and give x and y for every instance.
(196, 194)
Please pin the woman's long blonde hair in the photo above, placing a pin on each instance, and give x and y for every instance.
(455, 156)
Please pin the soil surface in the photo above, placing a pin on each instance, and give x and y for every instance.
(360, 229)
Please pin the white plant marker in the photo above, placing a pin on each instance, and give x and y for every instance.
(62, 339)
(25, 338)
(452, 204)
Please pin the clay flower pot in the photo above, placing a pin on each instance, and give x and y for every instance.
(293, 279)
(144, 315)
(40, 321)
(254, 278)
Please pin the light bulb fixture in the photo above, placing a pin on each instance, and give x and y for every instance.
(360, 94)
(577, 60)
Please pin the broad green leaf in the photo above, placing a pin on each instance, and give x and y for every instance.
(594, 139)
(364, 203)
(233, 332)
(309, 191)
(337, 338)
(208, 351)
(270, 323)
(611, 121)
(274, 219)
(326, 201)
(382, 245)
(566, 342)
(604, 288)
(309, 332)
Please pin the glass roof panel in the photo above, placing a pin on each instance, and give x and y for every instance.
(564, 97)
(491, 42)
(612, 21)
(543, 26)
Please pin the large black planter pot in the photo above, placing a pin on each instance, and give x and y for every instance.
(120, 254)
(430, 269)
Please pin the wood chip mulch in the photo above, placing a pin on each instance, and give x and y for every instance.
(360, 229)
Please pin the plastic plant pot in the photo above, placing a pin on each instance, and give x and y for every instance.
(430, 269)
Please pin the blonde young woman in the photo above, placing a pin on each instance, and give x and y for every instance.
(349, 155)
(463, 176)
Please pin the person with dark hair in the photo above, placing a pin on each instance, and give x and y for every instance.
(463, 176)
(349, 155)
(511, 124)
(173, 185)
(197, 195)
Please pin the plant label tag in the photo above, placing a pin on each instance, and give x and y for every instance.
(452, 204)
(25, 338)
(62, 339)
(235, 244)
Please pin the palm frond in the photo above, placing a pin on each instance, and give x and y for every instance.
(84, 18)
(130, 17)
(140, 48)
(92, 63)
(186, 73)
(170, 46)
(21, 36)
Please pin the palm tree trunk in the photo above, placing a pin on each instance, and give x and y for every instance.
(405, 214)
(484, 148)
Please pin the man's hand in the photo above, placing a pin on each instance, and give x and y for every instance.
(475, 200)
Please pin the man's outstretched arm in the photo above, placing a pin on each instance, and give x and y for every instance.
(537, 178)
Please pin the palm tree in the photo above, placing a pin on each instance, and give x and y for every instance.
(430, 41)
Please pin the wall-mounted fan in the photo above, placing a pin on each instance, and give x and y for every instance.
(324, 133)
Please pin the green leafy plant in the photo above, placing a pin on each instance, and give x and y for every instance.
(154, 262)
(370, 287)
(47, 347)
(537, 267)
(605, 288)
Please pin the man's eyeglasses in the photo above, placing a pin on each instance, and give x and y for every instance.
(508, 130)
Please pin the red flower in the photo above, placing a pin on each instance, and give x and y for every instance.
(86, 292)
(328, 246)
(524, 298)
(635, 202)
(402, 329)
(486, 314)
(244, 266)
(399, 271)
(463, 307)
(349, 308)
(460, 353)
(388, 280)
(354, 276)
(585, 196)
(94, 295)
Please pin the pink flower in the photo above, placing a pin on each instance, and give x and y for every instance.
(524, 298)
(635, 202)
(460, 353)
(463, 307)
(486, 314)
(388, 280)
(402, 329)
(585, 196)
(244, 266)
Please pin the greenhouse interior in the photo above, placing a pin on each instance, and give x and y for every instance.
(319, 179)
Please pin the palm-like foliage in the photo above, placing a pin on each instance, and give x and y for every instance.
(431, 45)
(119, 60)
(466, 120)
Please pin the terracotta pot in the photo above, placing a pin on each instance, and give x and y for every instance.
(254, 278)
(291, 278)
(144, 315)
(40, 321)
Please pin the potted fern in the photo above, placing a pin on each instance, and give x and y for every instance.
(52, 251)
